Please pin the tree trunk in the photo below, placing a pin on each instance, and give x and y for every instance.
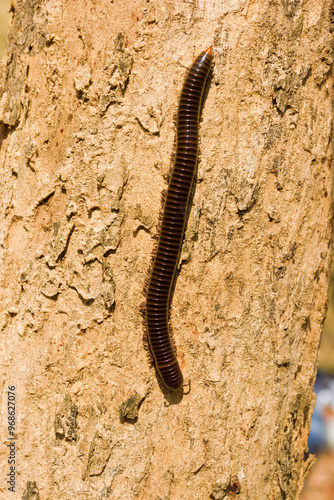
(87, 100)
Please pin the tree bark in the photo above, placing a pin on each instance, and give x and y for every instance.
(88, 94)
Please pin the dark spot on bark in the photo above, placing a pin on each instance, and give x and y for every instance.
(316, 275)
(119, 42)
(31, 492)
(235, 486)
(129, 409)
(66, 420)
(306, 325)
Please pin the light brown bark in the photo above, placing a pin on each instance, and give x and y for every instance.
(88, 94)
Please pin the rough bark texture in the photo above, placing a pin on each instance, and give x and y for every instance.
(88, 94)
(4, 19)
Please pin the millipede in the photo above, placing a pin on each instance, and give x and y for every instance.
(158, 338)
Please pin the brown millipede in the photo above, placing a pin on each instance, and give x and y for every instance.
(172, 225)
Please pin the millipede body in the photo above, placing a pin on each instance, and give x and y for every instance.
(165, 259)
